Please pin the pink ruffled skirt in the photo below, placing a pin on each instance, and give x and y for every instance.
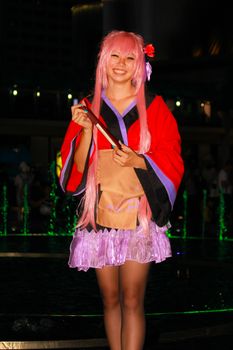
(98, 249)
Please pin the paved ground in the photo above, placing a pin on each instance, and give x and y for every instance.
(188, 301)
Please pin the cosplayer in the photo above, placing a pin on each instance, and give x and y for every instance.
(128, 192)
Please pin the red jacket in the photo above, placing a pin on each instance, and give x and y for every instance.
(165, 166)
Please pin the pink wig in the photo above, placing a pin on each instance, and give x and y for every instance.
(126, 43)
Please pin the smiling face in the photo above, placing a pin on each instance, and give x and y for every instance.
(121, 59)
(120, 67)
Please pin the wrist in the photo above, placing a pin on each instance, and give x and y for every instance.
(87, 131)
(140, 164)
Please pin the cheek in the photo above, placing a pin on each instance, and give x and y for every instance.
(132, 69)
(110, 65)
(132, 66)
(112, 61)
(108, 68)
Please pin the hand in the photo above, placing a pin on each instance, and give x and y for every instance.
(80, 117)
(127, 157)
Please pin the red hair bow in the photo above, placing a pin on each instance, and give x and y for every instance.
(149, 50)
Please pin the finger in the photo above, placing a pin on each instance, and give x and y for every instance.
(82, 106)
(78, 109)
(83, 103)
(125, 148)
(78, 118)
(82, 119)
(122, 144)
(118, 161)
(116, 156)
(119, 151)
(79, 115)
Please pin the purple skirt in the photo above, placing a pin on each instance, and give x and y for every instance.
(114, 247)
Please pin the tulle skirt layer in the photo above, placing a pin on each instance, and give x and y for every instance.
(113, 247)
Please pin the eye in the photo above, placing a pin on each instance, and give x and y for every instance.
(114, 55)
(130, 58)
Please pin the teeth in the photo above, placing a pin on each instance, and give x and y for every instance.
(119, 71)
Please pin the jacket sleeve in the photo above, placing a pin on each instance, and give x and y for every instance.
(71, 180)
(164, 163)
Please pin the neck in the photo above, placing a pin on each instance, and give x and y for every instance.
(119, 92)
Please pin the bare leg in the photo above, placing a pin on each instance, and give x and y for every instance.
(108, 280)
(133, 278)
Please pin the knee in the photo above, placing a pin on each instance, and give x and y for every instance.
(110, 299)
(132, 301)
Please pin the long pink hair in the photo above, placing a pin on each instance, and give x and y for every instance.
(126, 43)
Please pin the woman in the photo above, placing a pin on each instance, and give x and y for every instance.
(129, 192)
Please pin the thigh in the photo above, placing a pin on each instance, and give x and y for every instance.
(108, 280)
(133, 278)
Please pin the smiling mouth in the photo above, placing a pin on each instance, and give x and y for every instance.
(119, 71)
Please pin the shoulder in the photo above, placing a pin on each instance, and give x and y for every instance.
(157, 105)
(160, 116)
(155, 100)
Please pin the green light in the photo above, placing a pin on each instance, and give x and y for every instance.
(185, 201)
(69, 96)
(15, 92)
(191, 312)
(222, 225)
(54, 199)
(69, 212)
(169, 234)
(25, 210)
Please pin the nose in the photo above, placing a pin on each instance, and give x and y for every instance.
(122, 60)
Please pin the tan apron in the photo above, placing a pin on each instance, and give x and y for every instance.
(120, 193)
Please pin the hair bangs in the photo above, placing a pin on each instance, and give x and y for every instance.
(125, 44)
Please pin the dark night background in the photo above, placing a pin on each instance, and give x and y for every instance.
(49, 48)
(48, 58)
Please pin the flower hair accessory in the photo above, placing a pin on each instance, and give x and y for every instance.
(149, 51)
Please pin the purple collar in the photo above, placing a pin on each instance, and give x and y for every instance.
(120, 116)
(109, 103)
